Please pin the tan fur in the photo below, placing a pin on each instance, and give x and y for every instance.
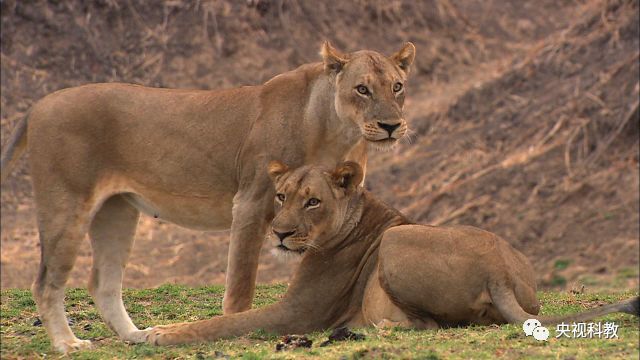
(101, 154)
(364, 264)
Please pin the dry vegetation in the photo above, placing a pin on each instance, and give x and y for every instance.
(524, 115)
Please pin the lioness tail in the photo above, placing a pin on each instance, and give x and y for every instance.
(506, 302)
(14, 148)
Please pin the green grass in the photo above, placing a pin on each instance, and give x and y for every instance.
(561, 264)
(172, 303)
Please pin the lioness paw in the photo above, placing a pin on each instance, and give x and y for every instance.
(69, 346)
(173, 334)
(158, 335)
(137, 336)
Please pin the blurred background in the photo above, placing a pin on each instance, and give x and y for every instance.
(524, 116)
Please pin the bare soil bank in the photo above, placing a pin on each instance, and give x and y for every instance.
(524, 116)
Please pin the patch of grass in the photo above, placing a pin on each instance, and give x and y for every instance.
(261, 334)
(628, 273)
(589, 280)
(561, 264)
(558, 280)
(174, 303)
(608, 215)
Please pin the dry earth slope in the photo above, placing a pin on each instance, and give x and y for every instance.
(525, 115)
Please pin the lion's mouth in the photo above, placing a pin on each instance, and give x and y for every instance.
(284, 248)
(386, 141)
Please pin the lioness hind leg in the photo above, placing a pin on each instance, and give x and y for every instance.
(379, 310)
(60, 237)
(112, 232)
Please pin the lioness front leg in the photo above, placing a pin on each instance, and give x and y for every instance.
(248, 231)
(278, 318)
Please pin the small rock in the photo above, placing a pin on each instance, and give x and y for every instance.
(290, 342)
(342, 334)
(220, 355)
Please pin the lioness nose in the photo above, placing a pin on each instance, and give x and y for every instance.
(390, 128)
(284, 235)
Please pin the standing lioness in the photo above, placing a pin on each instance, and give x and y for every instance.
(101, 154)
(365, 264)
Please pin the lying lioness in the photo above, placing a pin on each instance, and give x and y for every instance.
(364, 263)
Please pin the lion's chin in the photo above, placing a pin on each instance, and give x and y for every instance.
(383, 144)
(284, 254)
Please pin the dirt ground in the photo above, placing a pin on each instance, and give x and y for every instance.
(524, 116)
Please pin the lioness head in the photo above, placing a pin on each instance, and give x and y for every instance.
(311, 204)
(370, 90)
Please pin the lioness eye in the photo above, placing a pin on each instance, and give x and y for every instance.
(313, 202)
(280, 197)
(362, 89)
(397, 87)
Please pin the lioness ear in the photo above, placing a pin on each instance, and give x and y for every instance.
(276, 169)
(348, 175)
(404, 58)
(333, 59)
